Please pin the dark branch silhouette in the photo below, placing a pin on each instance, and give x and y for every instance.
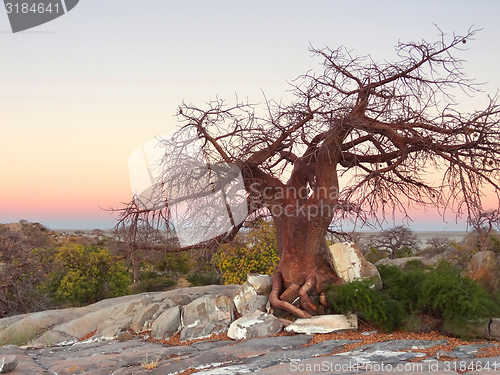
(381, 126)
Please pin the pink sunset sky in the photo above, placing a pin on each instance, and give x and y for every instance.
(80, 93)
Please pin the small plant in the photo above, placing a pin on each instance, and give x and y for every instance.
(151, 364)
(374, 255)
(495, 243)
(404, 252)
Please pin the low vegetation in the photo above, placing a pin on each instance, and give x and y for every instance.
(42, 270)
(150, 365)
(84, 274)
(254, 251)
(440, 292)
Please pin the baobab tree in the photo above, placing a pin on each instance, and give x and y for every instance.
(394, 239)
(379, 126)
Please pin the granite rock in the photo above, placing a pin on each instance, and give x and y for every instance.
(257, 324)
(324, 324)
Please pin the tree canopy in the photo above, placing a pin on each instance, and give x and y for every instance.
(381, 124)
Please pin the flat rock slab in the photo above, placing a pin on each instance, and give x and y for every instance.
(324, 324)
(266, 355)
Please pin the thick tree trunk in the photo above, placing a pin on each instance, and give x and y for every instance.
(302, 211)
(304, 269)
(303, 249)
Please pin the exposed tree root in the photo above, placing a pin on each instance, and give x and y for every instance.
(305, 301)
(291, 293)
(276, 302)
(285, 299)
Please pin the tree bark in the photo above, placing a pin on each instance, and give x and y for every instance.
(303, 249)
(135, 266)
(304, 269)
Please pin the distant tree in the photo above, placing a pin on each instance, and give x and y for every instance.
(436, 245)
(137, 241)
(395, 239)
(440, 243)
(381, 123)
(484, 225)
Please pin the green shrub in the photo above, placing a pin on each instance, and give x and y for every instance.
(440, 291)
(361, 298)
(255, 251)
(403, 286)
(204, 277)
(86, 274)
(176, 263)
(148, 271)
(458, 300)
(157, 284)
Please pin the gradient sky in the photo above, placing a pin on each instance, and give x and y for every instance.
(79, 94)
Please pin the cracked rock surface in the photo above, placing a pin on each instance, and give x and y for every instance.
(133, 335)
(268, 355)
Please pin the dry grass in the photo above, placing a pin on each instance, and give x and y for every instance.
(189, 371)
(150, 365)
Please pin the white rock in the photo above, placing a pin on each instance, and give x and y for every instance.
(243, 296)
(261, 283)
(324, 324)
(349, 264)
(8, 364)
(257, 324)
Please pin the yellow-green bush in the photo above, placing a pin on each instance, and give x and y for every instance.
(251, 251)
(86, 274)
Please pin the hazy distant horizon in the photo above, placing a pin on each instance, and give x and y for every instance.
(87, 224)
(423, 236)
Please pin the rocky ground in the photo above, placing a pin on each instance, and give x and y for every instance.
(188, 330)
(228, 330)
(297, 353)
